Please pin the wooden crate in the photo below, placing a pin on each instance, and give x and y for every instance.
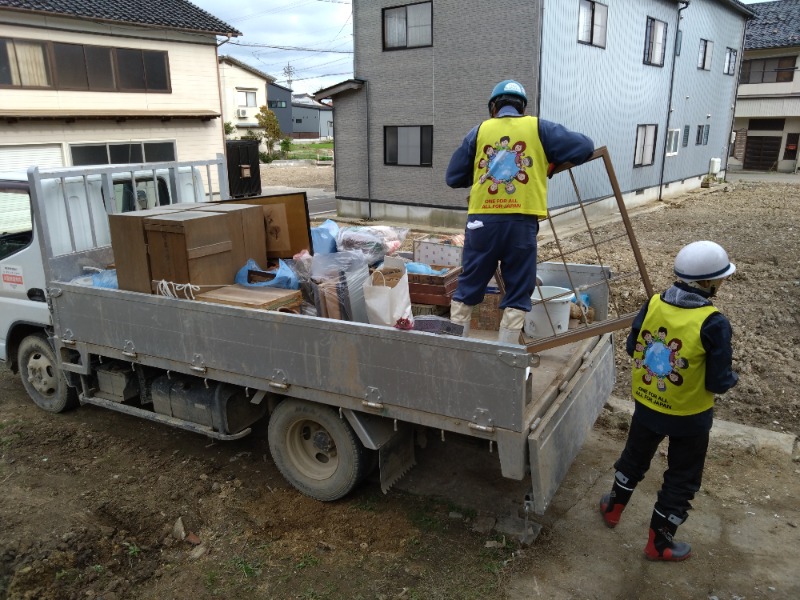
(246, 230)
(259, 298)
(190, 247)
(433, 289)
(129, 243)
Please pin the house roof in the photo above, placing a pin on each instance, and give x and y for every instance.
(283, 87)
(245, 66)
(169, 14)
(776, 25)
(71, 115)
(338, 88)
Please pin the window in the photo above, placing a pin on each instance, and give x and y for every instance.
(16, 226)
(298, 121)
(276, 103)
(148, 194)
(245, 98)
(112, 153)
(730, 61)
(655, 42)
(678, 42)
(407, 26)
(766, 124)
(27, 63)
(24, 63)
(702, 135)
(686, 131)
(673, 135)
(645, 145)
(592, 23)
(769, 70)
(411, 146)
(790, 152)
(705, 55)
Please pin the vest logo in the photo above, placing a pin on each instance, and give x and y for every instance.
(660, 359)
(504, 165)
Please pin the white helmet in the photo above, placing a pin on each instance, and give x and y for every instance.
(699, 261)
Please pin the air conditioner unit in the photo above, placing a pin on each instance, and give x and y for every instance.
(241, 113)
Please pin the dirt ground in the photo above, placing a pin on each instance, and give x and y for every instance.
(98, 505)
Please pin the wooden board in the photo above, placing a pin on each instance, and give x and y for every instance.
(261, 298)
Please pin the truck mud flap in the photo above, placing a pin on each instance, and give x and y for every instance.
(557, 439)
(396, 457)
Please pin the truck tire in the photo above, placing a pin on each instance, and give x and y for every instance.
(41, 377)
(315, 450)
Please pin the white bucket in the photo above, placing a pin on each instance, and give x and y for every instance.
(538, 320)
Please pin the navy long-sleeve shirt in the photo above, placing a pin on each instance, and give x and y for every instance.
(560, 146)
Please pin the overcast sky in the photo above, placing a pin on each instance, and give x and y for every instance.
(321, 25)
(325, 26)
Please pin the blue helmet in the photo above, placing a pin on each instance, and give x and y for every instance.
(508, 87)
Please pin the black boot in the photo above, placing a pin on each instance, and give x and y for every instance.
(660, 543)
(613, 503)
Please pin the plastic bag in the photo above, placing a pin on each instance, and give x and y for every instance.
(374, 241)
(323, 238)
(106, 279)
(337, 285)
(423, 269)
(284, 278)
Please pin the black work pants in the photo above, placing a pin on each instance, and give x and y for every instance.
(685, 460)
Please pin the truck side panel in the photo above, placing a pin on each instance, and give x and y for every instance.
(383, 370)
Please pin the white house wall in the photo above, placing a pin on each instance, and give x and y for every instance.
(606, 93)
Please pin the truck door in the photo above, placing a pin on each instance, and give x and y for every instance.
(22, 280)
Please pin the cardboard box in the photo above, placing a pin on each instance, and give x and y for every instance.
(260, 298)
(129, 243)
(190, 247)
(246, 230)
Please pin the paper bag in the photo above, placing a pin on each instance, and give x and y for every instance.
(386, 295)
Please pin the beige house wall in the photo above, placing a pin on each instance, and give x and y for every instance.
(232, 79)
(194, 83)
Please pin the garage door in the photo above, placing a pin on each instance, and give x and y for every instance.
(761, 152)
(19, 158)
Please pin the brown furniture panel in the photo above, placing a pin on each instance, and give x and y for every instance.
(247, 233)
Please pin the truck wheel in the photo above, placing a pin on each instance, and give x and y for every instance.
(315, 450)
(43, 380)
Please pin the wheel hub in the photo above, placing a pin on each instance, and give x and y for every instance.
(41, 374)
(323, 441)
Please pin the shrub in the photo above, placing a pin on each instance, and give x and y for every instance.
(264, 157)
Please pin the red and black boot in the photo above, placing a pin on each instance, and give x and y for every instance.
(613, 503)
(660, 544)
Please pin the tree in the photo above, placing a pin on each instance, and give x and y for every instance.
(272, 130)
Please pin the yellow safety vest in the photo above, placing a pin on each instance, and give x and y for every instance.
(510, 172)
(669, 361)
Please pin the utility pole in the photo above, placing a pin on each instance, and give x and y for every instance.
(288, 72)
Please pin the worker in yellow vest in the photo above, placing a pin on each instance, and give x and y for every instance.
(505, 162)
(681, 349)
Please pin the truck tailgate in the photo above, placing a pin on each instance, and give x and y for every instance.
(556, 439)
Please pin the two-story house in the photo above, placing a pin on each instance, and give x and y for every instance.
(653, 80)
(279, 101)
(767, 122)
(244, 92)
(108, 81)
(312, 119)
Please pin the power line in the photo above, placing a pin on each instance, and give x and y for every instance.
(292, 48)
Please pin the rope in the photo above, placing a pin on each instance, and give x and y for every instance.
(171, 289)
